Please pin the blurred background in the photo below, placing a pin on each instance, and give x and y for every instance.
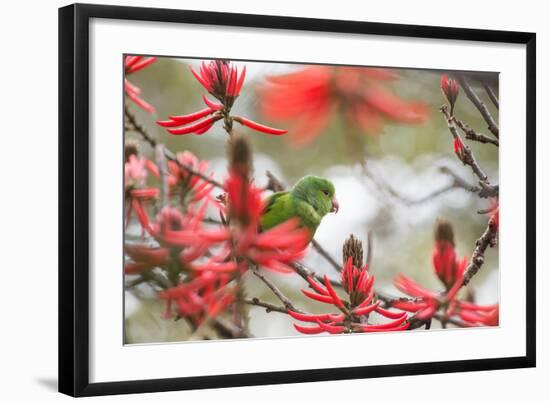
(384, 183)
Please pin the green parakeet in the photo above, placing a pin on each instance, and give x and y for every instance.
(309, 200)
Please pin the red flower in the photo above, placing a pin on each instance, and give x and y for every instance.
(205, 296)
(426, 302)
(167, 222)
(449, 87)
(223, 81)
(353, 312)
(307, 97)
(135, 174)
(450, 271)
(145, 258)
(131, 65)
(477, 315)
(182, 181)
(447, 267)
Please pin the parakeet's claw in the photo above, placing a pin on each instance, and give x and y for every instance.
(335, 206)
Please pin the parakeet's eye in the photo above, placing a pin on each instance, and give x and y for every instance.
(325, 191)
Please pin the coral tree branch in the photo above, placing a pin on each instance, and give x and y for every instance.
(474, 98)
(487, 239)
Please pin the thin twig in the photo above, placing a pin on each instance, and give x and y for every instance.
(268, 306)
(474, 98)
(273, 183)
(416, 323)
(468, 157)
(278, 293)
(388, 300)
(228, 329)
(326, 255)
(132, 283)
(492, 95)
(305, 272)
(474, 136)
(488, 238)
(383, 186)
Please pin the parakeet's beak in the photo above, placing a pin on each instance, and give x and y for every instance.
(335, 206)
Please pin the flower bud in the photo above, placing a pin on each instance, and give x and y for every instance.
(446, 265)
(240, 156)
(353, 248)
(449, 87)
(129, 150)
(459, 150)
(444, 231)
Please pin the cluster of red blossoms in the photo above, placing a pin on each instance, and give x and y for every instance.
(224, 82)
(450, 270)
(354, 311)
(131, 65)
(206, 296)
(198, 263)
(308, 97)
(181, 181)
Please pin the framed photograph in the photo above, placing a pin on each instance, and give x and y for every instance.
(250, 199)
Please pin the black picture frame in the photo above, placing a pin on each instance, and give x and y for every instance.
(74, 198)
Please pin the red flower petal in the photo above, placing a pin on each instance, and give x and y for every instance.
(212, 105)
(389, 314)
(309, 318)
(330, 328)
(366, 309)
(317, 297)
(194, 127)
(317, 287)
(308, 330)
(259, 127)
(337, 301)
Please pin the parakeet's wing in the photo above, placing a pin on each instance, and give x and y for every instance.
(278, 209)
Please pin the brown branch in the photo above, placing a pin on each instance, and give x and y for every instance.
(137, 127)
(278, 293)
(135, 282)
(268, 306)
(416, 323)
(273, 183)
(468, 157)
(387, 300)
(305, 272)
(491, 95)
(326, 255)
(487, 239)
(474, 98)
(228, 329)
(474, 136)
(383, 186)
(483, 190)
